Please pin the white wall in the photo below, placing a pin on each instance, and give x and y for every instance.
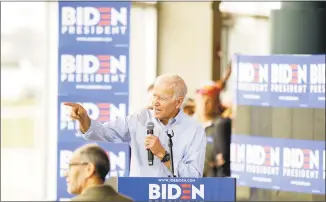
(250, 36)
(22, 131)
(185, 41)
(245, 35)
(143, 52)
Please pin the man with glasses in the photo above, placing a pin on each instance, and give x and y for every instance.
(85, 177)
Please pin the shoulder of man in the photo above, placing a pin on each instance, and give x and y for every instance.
(117, 197)
(194, 125)
(79, 198)
(193, 122)
(139, 116)
(188, 119)
(123, 198)
(144, 112)
(86, 198)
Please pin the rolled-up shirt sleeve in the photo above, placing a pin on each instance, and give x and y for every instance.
(115, 131)
(192, 164)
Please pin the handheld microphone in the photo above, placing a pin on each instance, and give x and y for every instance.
(150, 131)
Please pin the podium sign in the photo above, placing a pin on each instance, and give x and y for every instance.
(178, 189)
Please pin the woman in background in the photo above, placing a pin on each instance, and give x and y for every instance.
(218, 126)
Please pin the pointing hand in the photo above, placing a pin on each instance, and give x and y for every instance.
(77, 111)
(80, 114)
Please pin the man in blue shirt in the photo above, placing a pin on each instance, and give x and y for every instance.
(189, 141)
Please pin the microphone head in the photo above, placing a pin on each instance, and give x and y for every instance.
(150, 126)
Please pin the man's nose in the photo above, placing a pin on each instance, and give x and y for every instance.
(156, 102)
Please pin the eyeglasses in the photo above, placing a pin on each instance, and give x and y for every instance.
(77, 164)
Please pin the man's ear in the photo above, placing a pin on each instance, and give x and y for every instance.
(179, 102)
(90, 170)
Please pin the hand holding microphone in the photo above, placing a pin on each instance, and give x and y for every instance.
(153, 145)
(150, 131)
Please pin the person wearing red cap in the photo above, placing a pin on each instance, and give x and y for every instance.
(215, 118)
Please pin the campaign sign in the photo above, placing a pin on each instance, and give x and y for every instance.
(317, 81)
(100, 108)
(178, 189)
(90, 69)
(303, 166)
(290, 80)
(119, 163)
(253, 80)
(255, 162)
(106, 23)
(280, 164)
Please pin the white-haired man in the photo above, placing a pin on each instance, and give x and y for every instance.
(189, 136)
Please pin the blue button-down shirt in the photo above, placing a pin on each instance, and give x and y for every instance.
(189, 143)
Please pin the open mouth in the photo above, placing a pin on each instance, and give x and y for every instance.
(157, 110)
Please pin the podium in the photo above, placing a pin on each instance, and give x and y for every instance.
(177, 189)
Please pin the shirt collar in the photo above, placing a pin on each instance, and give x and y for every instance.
(178, 117)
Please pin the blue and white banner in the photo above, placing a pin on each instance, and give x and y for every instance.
(178, 189)
(93, 70)
(281, 81)
(100, 108)
(94, 47)
(102, 23)
(253, 81)
(119, 163)
(279, 164)
(317, 82)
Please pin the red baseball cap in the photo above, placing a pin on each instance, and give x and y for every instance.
(209, 88)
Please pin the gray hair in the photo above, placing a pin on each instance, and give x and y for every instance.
(177, 83)
(94, 154)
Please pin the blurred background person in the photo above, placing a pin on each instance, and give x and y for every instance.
(189, 106)
(209, 102)
(222, 146)
(209, 112)
(218, 130)
(85, 177)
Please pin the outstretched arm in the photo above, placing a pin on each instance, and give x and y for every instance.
(116, 131)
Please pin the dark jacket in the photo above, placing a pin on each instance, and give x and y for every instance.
(218, 141)
(101, 193)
